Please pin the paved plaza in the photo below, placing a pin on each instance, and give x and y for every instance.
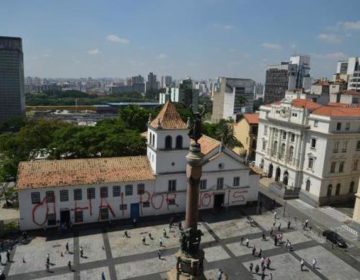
(108, 251)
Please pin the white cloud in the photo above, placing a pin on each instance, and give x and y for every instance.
(331, 56)
(271, 46)
(161, 56)
(329, 38)
(93, 51)
(351, 25)
(116, 39)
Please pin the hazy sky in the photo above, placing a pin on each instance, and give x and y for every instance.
(197, 38)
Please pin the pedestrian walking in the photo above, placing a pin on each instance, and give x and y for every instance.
(306, 224)
(314, 262)
(302, 263)
(279, 227)
(253, 251)
(23, 260)
(160, 242)
(8, 255)
(219, 274)
(150, 236)
(69, 265)
(275, 240)
(289, 224)
(164, 233)
(47, 267)
(67, 247)
(247, 242)
(267, 262)
(159, 254)
(144, 240)
(264, 236)
(260, 253)
(275, 215)
(126, 234)
(241, 240)
(257, 268)
(48, 258)
(251, 266)
(81, 252)
(103, 276)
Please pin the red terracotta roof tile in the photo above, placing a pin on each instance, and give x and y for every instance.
(168, 118)
(252, 118)
(71, 172)
(336, 111)
(208, 144)
(304, 103)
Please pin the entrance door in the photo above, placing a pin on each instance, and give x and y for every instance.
(134, 211)
(65, 217)
(219, 201)
(277, 174)
(104, 214)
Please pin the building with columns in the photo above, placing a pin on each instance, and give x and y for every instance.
(311, 148)
(76, 191)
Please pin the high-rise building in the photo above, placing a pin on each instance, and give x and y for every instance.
(287, 75)
(138, 83)
(12, 99)
(349, 71)
(152, 83)
(232, 97)
(165, 81)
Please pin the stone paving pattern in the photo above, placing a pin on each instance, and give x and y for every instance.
(108, 251)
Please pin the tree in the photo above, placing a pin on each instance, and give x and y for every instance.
(225, 133)
(135, 117)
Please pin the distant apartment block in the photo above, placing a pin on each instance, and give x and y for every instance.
(12, 99)
(232, 97)
(349, 71)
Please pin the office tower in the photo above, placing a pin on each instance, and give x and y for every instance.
(232, 97)
(12, 99)
(166, 81)
(138, 83)
(349, 71)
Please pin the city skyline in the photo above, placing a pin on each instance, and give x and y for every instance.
(208, 39)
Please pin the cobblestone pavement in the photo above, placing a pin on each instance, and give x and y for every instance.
(106, 250)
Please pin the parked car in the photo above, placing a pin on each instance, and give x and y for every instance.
(335, 238)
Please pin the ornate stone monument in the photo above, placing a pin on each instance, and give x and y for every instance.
(190, 257)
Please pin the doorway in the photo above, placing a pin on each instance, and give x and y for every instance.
(65, 217)
(277, 174)
(270, 171)
(134, 211)
(219, 201)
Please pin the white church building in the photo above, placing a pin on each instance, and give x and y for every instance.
(76, 191)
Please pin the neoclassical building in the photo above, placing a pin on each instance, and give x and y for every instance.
(54, 192)
(312, 148)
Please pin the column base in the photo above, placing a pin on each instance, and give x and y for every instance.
(188, 267)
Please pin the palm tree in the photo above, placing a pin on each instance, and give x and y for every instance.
(225, 133)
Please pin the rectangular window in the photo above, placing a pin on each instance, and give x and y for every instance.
(292, 138)
(316, 123)
(78, 194)
(140, 189)
(265, 130)
(344, 148)
(347, 126)
(310, 163)
(333, 167)
(35, 197)
(338, 126)
(128, 190)
(91, 193)
(104, 213)
(358, 145)
(264, 145)
(341, 167)
(104, 192)
(50, 196)
(64, 195)
(355, 164)
(123, 206)
(313, 143)
(79, 216)
(116, 191)
(236, 181)
(284, 135)
(336, 147)
(172, 186)
(220, 183)
(51, 219)
(146, 204)
(203, 184)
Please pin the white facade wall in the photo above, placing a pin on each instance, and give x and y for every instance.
(323, 152)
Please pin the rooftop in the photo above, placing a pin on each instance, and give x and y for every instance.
(208, 144)
(252, 118)
(70, 172)
(337, 111)
(168, 118)
(304, 103)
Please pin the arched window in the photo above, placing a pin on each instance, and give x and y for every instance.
(168, 142)
(270, 171)
(275, 148)
(282, 151)
(286, 178)
(337, 190)
(179, 142)
(291, 153)
(329, 190)
(351, 189)
(307, 186)
(277, 174)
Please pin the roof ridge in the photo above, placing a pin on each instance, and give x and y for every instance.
(168, 118)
